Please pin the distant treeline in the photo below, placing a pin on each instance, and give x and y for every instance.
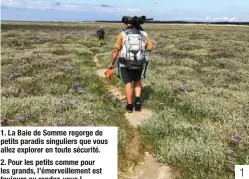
(184, 22)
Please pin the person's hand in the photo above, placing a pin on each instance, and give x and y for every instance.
(111, 66)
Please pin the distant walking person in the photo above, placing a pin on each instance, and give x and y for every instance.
(101, 34)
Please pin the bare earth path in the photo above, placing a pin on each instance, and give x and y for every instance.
(149, 169)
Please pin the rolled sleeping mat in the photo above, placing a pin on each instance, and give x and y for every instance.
(133, 20)
(142, 19)
(127, 19)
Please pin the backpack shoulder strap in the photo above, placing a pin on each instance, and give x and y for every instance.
(125, 31)
(144, 34)
(124, 34)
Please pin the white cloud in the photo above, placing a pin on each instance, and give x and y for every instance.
(45, 5)
(117, 10)
(7, 2)
(208, 18)
(37, 2)
(68, 6)
(95, 6)
(216, 19)
(133, 10)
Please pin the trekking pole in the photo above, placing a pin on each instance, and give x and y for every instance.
(118, 65)
(145, 69)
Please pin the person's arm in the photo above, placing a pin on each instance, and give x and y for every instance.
(115, 52)
(149, 45)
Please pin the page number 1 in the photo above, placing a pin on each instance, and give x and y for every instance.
(241, 171)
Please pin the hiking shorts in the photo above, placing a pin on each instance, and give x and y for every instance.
(130, 75)
(101, 37)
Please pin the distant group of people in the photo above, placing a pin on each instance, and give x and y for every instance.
(131, 46)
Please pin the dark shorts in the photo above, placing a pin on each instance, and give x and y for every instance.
(130, 75)
(101, 37)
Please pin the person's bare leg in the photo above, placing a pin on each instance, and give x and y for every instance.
(128, 92)
(138, 89)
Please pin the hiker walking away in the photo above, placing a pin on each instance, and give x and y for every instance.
(131, 46)
(101, 34)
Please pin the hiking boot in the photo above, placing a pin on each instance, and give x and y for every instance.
(129, 108)
(138, 105)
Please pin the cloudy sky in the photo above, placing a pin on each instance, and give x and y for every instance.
(91, 10)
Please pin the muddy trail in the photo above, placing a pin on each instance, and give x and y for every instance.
(147, 167)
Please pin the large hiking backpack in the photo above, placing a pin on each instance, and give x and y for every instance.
(133, 54)
(133, 50)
